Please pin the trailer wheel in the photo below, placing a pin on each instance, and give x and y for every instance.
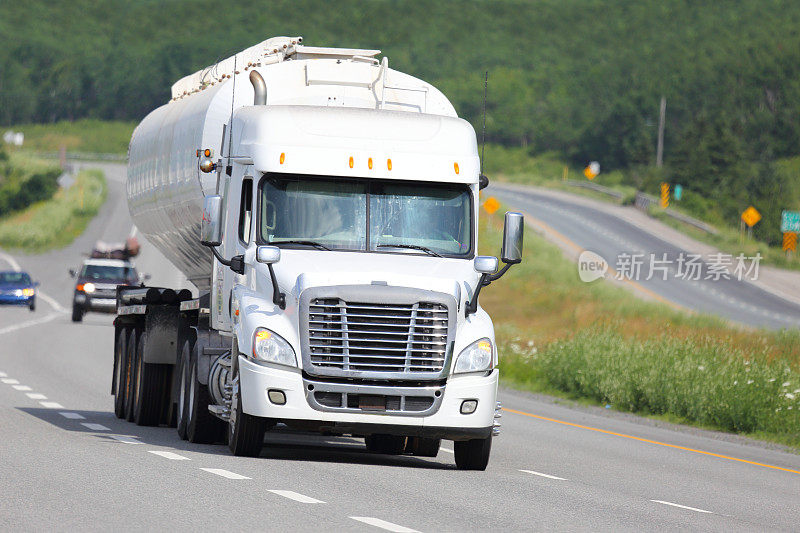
(473, 454)
(131, 362)
(151, 382)
(120, 372)
(245, 432)
(385, 444)
(201, 426)
(183, 388)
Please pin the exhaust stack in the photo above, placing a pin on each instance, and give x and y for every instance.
(260, 88)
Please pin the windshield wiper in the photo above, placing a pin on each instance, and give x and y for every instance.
(315, 244)
(410, 246)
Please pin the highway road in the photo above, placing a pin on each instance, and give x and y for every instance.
(67, 463)
(573, 223)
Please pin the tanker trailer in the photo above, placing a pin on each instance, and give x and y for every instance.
(325, 207)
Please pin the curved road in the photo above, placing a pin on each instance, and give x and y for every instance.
(66, 462)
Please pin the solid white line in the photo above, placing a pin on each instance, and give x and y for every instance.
(543, 475)
(169, 455)
(682, 506)
(3, 375)
(29, 323)
(35, 396)
(72, 416)
(125, 439)
(51, 405)
(95, 427)
(295, 496)
(448, 450)
(383, 524)
(10, 381)
(225, 473)
(10, 260)
(22, 387)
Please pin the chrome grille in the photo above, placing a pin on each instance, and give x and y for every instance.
(370, 337)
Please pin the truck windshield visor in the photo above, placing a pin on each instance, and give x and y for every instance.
(348, 214)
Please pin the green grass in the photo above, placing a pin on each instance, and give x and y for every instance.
(56, 222)
(597, 343)
(85, 135)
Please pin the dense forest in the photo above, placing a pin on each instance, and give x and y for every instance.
(581, 78)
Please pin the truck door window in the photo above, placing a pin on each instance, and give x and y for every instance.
(246, 211)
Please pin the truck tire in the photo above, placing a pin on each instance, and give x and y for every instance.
(473, 454)
(385, 444)
(120, 372)
(130, 371)
(77, 313)
(183, 389)
(201, 426)
(423, 447)
(151, 384)
(245, 432)
(32, 305)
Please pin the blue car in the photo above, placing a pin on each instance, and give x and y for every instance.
(17, 288)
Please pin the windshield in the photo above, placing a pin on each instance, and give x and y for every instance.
(360, 215)
(109, 272)
(16, 278)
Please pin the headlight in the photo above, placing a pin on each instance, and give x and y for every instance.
(88, 288)
(272, 348)
(27, 292)
(18, 292)
(475, 358)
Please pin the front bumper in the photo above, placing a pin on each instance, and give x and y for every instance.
(7, 299)
(95, 303)
(442, 420)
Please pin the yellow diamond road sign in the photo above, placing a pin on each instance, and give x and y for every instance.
(491, 205)
(751, 216)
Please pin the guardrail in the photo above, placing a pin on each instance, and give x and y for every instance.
(83, 156)
(596, 187)
(644, 201)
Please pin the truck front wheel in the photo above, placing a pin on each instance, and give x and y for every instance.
(245, 432)
(473, 454)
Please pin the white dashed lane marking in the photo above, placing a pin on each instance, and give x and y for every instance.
(383, 524)
(35, 396)
(682, 506)
(95, 427)
(225, 473)
(21, 387)
(295, 496)
(126, 439)
(72, 416)
(169, 455)
(543, 475)
(51, 405)
(10, 381)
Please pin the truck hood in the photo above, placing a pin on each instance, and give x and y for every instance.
(301, 269)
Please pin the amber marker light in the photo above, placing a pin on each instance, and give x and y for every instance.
(283, 157)
(369, 163)
(351, 161)
(207, 152)
(389, 164)
(455, 167)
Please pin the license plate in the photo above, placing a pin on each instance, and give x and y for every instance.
(372, 403)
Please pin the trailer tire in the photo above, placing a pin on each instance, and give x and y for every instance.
(473, 454)
(245, 432)
(120, 372)
(183, 389)
(151, 383)
(385, 444)
(130, 371)
(201, 426)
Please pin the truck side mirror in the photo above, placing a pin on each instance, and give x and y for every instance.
(512, 238)
(485, 264)
(268, 254)
(210, 227)
(72, 272)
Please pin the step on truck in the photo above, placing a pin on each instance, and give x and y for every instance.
(325, 208)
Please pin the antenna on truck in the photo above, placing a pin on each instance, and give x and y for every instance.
(483, 180)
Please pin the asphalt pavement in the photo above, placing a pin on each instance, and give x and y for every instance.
(67, 463)
(654, 266)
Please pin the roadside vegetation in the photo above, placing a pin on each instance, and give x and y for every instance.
(24, 180)
(598, 343)
(85, 135)
(55, 222)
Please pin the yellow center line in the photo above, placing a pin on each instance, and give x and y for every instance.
(659, 443)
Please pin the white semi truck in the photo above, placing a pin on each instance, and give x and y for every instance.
(325, 207)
